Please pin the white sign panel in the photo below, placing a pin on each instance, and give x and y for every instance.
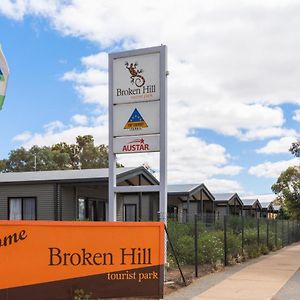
(136, 144)
(136, 119)
(136, 78)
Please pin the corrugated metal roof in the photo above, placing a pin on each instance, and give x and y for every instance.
(182, 188)
(58, 175)
(248, 202)
(266, 204)
(223, 196)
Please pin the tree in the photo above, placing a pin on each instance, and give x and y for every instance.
(62, 156)
(295, 148)
(287, 189)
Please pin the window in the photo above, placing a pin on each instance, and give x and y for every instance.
(130, 212)
(91, 209)
(22, 208)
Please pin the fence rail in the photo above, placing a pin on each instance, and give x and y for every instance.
(206, 240)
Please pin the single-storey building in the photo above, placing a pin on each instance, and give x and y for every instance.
(187, 200)
(227, 204)
(267, 210)
(276, 211)
(75, 195)
(251, 208)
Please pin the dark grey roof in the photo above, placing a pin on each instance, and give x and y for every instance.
(223, 196)
(249, 202)
(187, 189)
(67, 175)
(182, 188)
(267, 205)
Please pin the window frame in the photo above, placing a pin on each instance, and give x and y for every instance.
(22, 207)
(130, 204)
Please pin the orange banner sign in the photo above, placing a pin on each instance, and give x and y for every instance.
(105, 259)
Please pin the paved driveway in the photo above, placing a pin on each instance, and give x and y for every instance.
(274, 276)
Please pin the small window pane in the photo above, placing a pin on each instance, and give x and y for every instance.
(130, 212)
(29, 209)
(15, 209)
(82, 211)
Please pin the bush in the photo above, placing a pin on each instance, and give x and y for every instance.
(252, 251)
(211, 247)
(234, 244)
(185, 249)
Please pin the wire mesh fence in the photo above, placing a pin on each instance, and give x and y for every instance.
(205, 240)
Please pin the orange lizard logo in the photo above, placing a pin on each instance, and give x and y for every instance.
(136, 77)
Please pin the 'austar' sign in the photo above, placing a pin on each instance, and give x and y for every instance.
(149, 143)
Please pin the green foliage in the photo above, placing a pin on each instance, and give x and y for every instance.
(211, 242)
(264, 249)
(185, 249)
(287, 189)
(62, 156)
(211, 247)
(295, 148)
(234, 244)
(80, 294)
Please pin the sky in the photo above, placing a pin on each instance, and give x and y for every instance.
(233, 88)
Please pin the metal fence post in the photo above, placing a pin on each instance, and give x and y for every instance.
(243, 234)
(258, 232)
(196, 246)
(276, 242)
(225, 240)
(282, 233)
(268, 234)
(288, 230)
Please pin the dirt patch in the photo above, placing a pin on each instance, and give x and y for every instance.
(174, 279)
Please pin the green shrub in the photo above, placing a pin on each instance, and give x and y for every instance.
(252, 251)
(211, 247)
(234, 244)
(264, 249)
(185, 249)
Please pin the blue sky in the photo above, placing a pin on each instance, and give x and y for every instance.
(234, 93)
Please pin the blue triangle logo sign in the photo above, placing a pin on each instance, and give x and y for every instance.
(136, 121)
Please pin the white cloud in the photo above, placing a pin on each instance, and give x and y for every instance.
(22, 137)
(272, 169)
(231, 66)
(277, 146)
(224, 186)
(216, 72)
(261, 197)
(67, 135)
(80, 119)
(99, 60)
(54, 126)
(264, 133)
(296, 116)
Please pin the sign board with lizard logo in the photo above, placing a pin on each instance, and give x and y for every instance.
(138, 116)
(136, 78)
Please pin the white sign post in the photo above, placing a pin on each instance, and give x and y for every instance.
(138, 116)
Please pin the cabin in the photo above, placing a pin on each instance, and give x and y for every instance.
(227, 204)
(267, 210)
(187, 200)
(251, 208)
(277, 209)
(75, 195)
